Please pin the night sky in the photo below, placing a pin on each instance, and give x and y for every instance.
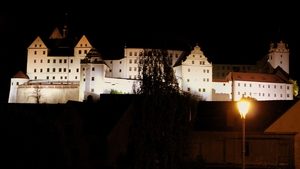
(226, 32)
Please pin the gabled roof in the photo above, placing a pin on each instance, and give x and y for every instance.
(20, 74)
(288, 122)
(224, 116)
(257, 77)
(93, 57)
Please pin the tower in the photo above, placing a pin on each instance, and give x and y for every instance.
(279, 56)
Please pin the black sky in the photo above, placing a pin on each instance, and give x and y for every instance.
(226, 32)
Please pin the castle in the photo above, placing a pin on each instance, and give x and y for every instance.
(60, 69)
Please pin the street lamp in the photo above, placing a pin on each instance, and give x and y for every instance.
(243, 107)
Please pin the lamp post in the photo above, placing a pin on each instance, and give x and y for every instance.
(243, 107)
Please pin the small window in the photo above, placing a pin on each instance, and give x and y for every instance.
(85, 51)
(53, 70)
(120, 70)
(35, 77)
(71, 60)
(93, 78)
(60, 60)
(41, 70)
(188, 89)
(53, 77)
(65, 60)
(92, 90)
(48, 69)
(48, 60)
(79, 52)
(47, 77)
(77, 70)
(35, 52)
(34, 70)
(59, 70)
(65, 69)
(41, 61)
(93, 68)
(44, 52)
(34, 61)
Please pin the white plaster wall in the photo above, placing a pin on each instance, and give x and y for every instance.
(50, 95)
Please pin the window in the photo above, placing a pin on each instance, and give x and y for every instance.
(34, 61)
(92, 90)
(54, 61)
(71, 60)
(75, 77)
(44, 52)
(130, 61)
(187, 80)
(199, 89)
(34, 70)
(59, 70)
(93, 68)
(35, 77)
(47, 77)
(65, 69)
(61, 77)
(120, 62)
(48, 70)
(134, 68)
(288, 87)
(41, 61)
(48, 60)
(85, 51)
(41, 70)
(69, 70)
(53, 77)
(135, 61)
(53, 70)
(60, 60)
(17, 83)
(77, 70)
(129, 68)
(188, 89)
(189, 70)
(120, 70)
(192, 62)
(79, 52)
(288, 95)
(93, 78)
(130, 53)
(65, 60)
(203, 90)
(35, 52)
(135, 53)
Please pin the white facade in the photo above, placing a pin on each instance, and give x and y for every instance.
(78, 70)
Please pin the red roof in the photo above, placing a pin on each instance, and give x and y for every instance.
(21, 74)
(257, 77)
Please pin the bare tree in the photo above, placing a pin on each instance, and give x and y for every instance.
(37, 94)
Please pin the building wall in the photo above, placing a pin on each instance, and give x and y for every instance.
(262, 90)
(224, 148)
(51, 94)
(220, 71)
(14, 84)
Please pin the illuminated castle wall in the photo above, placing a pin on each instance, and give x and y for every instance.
(59, 69)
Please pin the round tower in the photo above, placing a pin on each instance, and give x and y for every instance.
(19, 79)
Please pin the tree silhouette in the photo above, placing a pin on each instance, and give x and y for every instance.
(163, 115)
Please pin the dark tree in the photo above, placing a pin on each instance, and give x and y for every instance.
(163, 115)
(37, 94)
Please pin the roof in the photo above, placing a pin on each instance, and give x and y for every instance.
(257, 77)
(21, 75)
(224, 116)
